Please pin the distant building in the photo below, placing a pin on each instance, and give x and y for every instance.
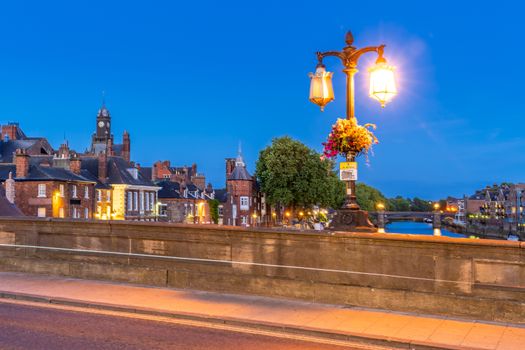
(241, 203)
(42, 190)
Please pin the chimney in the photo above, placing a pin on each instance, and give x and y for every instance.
(230, 165)
(138, 166)
(10, 131)
(154, 172)
(22, 163)
(126, 146)
(110, 146)
(75, 164)
(102, 167)
(10, 188)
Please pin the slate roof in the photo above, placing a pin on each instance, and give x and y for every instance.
(146, 172)
(221, 195)
(117, 171)
(43, 173)
(8, 148)
(169, 189)
(240, 173)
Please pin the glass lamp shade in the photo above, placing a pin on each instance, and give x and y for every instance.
(382, 83)
(321, 90)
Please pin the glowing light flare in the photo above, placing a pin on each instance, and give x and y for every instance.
(382, 82)
(321, 89)
(380, 206)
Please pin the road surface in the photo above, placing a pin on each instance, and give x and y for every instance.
(31, 326)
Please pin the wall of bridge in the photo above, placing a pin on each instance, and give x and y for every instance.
(480, 279)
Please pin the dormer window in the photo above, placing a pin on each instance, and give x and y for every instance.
(134, 172)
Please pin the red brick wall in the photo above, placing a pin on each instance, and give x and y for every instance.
(28, 201)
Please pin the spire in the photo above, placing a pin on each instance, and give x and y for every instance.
(239, 161)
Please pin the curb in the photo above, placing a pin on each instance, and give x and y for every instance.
(362, 339)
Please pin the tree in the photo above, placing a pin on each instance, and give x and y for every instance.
(368, 197)
(419, 204)
(214, 210)
(292, 174)
(398, 204)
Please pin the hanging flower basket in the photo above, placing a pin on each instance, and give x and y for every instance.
(349, 138)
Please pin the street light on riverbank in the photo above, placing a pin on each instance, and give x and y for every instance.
(382, 88)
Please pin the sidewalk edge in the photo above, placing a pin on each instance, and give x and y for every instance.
(364, 339)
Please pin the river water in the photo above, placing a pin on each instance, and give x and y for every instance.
(416, 228)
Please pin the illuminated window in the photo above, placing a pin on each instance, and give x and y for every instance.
(41, 212)
(108, 193)
(61, 212)
(62, 190)
(99, 195)
(41, 190)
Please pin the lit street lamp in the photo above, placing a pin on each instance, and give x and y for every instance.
(382, 88)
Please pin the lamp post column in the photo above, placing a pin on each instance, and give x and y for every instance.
(350, 199)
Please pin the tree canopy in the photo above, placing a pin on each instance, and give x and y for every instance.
(292, 174)
(368, 197)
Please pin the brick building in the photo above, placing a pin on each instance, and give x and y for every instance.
(241, 203)
(47, 191)
(183, 203)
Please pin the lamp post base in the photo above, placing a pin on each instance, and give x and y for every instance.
(352, 220)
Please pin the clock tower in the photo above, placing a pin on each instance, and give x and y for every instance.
(102, 136)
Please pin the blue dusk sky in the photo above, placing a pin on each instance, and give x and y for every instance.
(190, 79)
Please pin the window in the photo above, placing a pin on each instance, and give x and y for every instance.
(41, 190)
(243, 220)
(61, 212)
(135, 201)
(220, 210)
(108, 193)
(130, 201)
(86, 213)
(99, 195)
(108, 212)
(74, 214)
(166, 176)
(74, 191)
(152, 200)
(62, 190)
(86, 192)
(42, 212)
(244, 203)
(163, 210)
(141, 201)
(147, 200)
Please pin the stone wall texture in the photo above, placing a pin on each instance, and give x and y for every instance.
(478, 279)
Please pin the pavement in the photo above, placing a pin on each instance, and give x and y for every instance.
(379, 328)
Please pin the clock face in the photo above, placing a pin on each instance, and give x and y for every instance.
(100, 124)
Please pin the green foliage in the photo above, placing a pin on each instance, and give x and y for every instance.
(419, 204)
(214, 210)
(292, 174)
(368, 197)
(398, 204)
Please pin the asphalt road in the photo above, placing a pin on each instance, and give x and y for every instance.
(33, 327)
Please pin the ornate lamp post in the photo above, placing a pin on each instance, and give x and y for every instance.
(382, 88)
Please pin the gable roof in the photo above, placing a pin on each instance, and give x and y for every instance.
(7, 208)
(169, 189)
(117, 171)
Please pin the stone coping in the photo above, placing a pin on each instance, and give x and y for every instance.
(251, 230)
